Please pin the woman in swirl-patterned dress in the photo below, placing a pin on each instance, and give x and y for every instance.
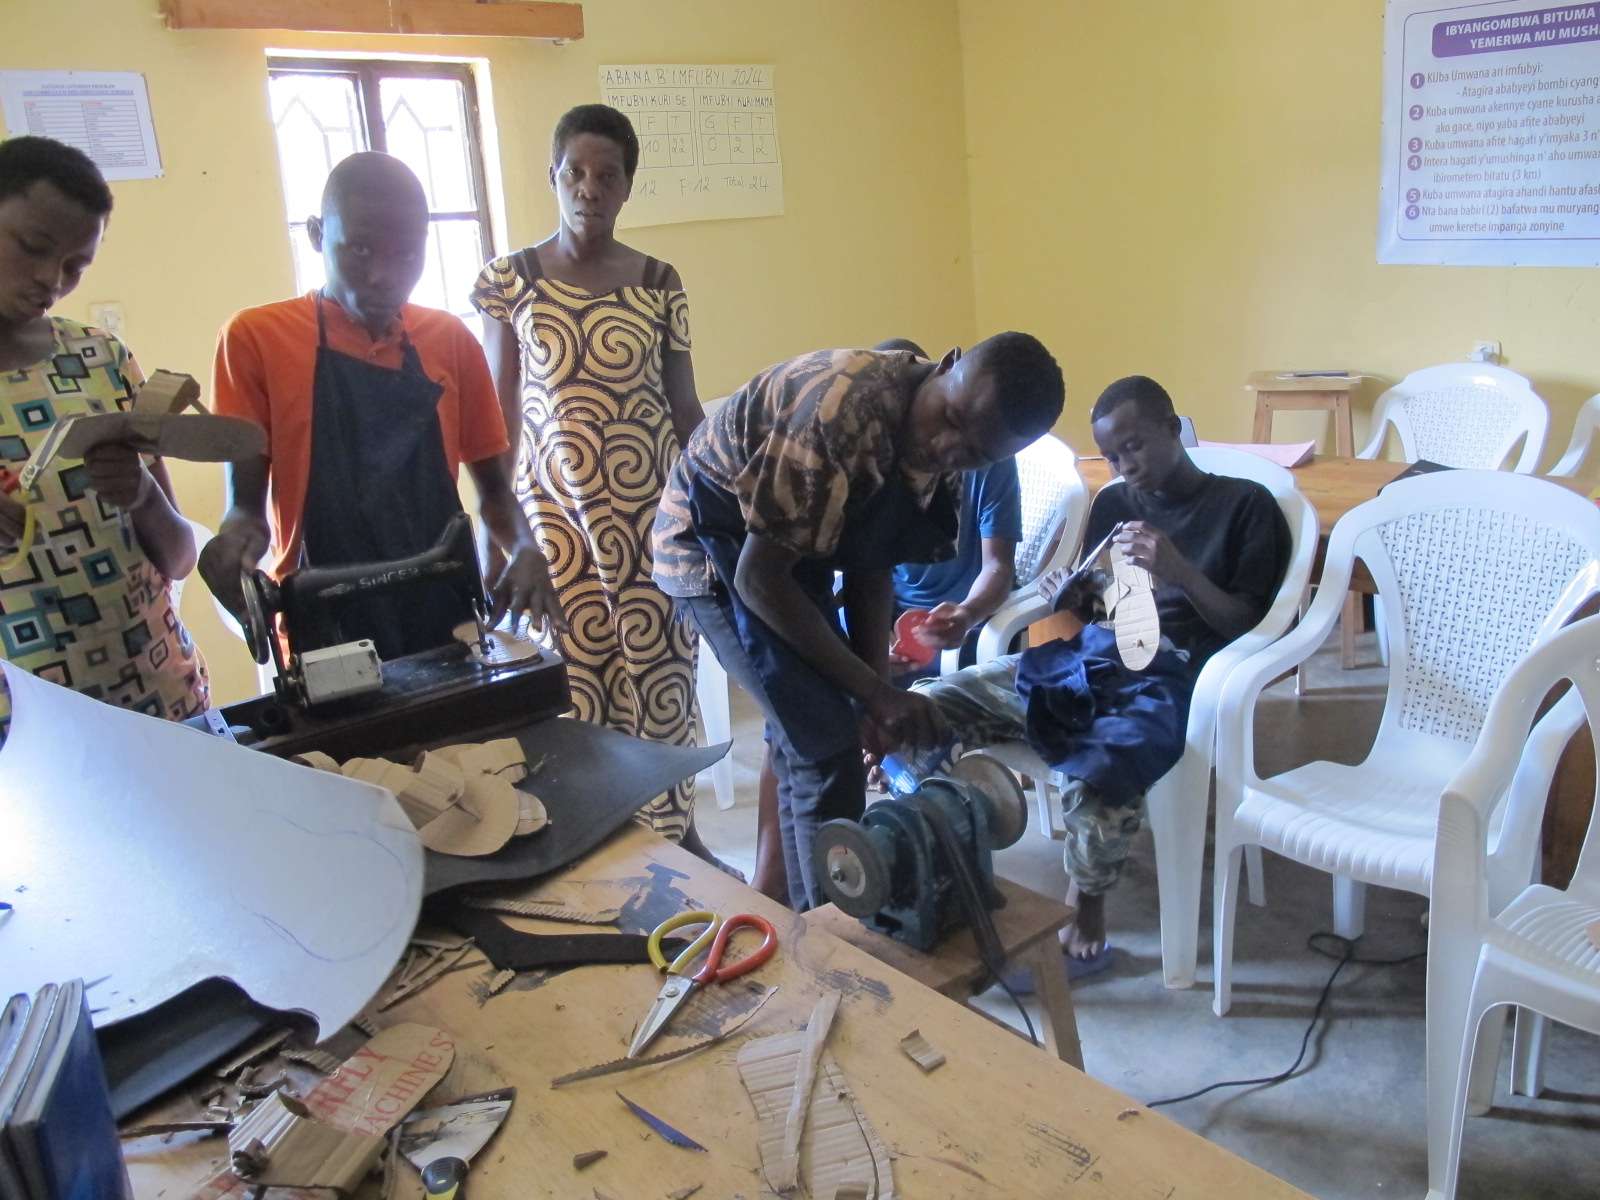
(589, 343)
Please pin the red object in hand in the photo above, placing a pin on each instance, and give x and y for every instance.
(9, 482)
(907, 644)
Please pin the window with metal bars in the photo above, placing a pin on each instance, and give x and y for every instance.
(425, 114)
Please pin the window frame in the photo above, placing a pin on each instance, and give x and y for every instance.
(367, 75)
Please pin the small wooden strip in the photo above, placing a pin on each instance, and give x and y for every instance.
(788, 1173)
(547, 19)
(919, 1050)
(320, 1061)
(256, 1051)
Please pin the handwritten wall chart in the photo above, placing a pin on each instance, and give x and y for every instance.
(708, 141)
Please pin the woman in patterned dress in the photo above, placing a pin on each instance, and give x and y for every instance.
(87, 604)
(589, 343)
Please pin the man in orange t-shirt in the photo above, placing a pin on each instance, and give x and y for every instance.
(370, 405)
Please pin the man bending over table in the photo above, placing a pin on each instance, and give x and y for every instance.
(847, 460)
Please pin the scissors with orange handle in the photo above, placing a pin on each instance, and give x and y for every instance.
(683, 978)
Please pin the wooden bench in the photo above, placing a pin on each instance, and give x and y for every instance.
(1027, 926)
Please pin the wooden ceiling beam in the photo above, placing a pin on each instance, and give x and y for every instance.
(449, 18)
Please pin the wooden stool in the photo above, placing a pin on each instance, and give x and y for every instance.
(1027, 927)
(1328, 393)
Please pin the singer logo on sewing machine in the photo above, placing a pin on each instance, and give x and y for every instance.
(390, 575)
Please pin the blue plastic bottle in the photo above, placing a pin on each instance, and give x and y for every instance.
(905, 770)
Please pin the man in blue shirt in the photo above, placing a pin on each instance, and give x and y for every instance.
(961, 594)
(958, 595)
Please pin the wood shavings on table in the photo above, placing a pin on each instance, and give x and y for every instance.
(587, 1159)
(921, 1052)
(434, 969)
(788, 1172)
(839, 1146)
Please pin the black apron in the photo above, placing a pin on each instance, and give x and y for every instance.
(379, 490)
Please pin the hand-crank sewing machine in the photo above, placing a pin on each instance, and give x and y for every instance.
(919, 865)
(333, 693)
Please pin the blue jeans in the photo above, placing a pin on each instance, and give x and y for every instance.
(812, 728)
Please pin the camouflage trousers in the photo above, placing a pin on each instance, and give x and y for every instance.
(982, 706)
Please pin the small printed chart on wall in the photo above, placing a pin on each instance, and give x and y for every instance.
(1491, 134)
(106, 114)
(708, 141)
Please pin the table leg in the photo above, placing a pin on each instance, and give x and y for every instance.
(1344, 442)
(1263, 426)
(1349, 626)
(1055, 1002)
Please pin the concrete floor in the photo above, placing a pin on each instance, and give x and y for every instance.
(1351, 1124)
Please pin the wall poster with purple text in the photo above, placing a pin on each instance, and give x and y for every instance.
(1491, 134)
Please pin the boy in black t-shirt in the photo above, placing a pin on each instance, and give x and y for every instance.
(1217, 547)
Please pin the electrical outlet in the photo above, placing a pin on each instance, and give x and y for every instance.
(1485, 352)
(109, 317)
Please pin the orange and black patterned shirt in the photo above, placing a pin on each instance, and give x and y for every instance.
(799, 447)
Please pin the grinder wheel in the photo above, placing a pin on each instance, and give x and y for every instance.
(851, 869)
(1008, 806)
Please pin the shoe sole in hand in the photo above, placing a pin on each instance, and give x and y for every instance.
(1133, 613)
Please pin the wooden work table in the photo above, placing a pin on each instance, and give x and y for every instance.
(1334, 485)
(1000, 1119)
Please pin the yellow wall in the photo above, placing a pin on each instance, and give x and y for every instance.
(1190, 190)
(1185, 190)
(873, 243)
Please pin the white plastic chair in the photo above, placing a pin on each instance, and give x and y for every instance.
(1583, 430)
(1472, 565)
(1055, 505)
(1494, 940)
(1467, 415)
(716, 719)
(1177, 803)
(202, 535)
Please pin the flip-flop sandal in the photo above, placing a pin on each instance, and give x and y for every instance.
(1082, 968)
(1020, 978)
(1132, 605)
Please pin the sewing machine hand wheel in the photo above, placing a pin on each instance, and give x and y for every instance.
(258, 635)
